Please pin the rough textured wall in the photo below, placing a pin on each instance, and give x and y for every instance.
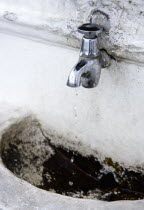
(61, 18)
(109, 118)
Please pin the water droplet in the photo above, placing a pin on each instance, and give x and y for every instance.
(70, 183)
(72, 160)
(75, 111)
(76, 91)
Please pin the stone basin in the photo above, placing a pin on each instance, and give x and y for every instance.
(64, 167)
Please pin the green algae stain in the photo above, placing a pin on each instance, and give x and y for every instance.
(108, 161)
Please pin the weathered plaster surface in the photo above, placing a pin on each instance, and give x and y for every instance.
(58, 21)
(109, 118)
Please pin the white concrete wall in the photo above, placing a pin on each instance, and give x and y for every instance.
(61, 18)
(109, 117)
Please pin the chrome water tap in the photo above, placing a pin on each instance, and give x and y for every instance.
(88, 69)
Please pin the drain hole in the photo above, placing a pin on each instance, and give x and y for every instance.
(66, 170)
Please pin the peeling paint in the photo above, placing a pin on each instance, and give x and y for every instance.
(10, 16)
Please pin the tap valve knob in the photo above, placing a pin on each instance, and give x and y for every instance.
(90, 30)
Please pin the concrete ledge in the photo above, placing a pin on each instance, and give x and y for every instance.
(58, 23)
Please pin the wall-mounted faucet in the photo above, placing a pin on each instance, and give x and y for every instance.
(88, 69)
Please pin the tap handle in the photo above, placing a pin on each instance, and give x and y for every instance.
(90, 30)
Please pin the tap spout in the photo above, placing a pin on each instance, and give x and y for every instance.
(86, 73)
(74, 79)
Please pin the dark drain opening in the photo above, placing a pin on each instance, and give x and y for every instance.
(31, 156)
